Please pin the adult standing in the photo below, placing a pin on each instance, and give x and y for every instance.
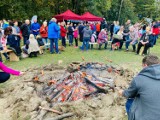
(25, 28)
(143, 93)
(98, 28)
(155, 32)
(53, 35)
(35, 28)
(80, 29)
(44, 34)
(112, 30)
(87, 33)
(63, 34)
(126, 33)
(70, 34)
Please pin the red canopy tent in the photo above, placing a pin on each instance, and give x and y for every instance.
(90, 17)
(67, 15)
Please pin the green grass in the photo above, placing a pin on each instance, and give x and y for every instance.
(125, 59)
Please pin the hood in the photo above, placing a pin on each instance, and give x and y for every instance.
(152, 71)
(50, 22)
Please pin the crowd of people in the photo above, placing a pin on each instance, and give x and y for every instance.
(37, 38)
(143, 93)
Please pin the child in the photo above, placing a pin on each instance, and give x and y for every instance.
(75, 34)
(93, 39)
(3, 46)
(40, 43)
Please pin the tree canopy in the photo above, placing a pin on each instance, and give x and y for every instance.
(45, 9)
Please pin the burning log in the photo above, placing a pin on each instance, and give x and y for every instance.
(99, 89)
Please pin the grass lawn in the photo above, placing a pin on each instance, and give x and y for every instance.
(122, 58)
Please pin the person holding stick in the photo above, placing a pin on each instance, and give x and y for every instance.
(5, 75)
(144, 92)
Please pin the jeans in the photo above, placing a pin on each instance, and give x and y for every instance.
(70, 39)
(129, 104)
(53, 44)
(45, 41)
(85, 43)
(25, 38)
(4, 77)
(134, 45)
(64, 41)
(155, 39)
(127, 41)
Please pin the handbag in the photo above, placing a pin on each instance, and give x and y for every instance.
(119, 37)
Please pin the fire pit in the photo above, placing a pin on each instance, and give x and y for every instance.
(82, 90)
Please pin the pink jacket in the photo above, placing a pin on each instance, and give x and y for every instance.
(102, 37)
(75, 34)
(8, 70)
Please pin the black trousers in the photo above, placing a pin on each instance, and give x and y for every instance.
(76, 42)
(64, 41)
(115, 41)
(146, 46)
(4, 77)
(81, 37)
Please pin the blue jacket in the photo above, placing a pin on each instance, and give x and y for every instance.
(145, 89)
(35, 26)
(53, 30)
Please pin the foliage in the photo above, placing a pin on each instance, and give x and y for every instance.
(45, 9)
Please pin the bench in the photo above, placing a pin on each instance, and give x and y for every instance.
(12, 55)
(95, 43)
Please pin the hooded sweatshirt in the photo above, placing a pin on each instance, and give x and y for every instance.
(87, 33)
(145, 88)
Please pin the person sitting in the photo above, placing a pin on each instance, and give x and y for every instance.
(134, 36)
(103, 39)
(118, 38)
(3, 47)
(146, 40)
(31, 48)
(13, 43)
(143, 92)
(40, 43)
(5, 75)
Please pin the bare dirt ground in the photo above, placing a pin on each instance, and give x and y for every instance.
(21, 98)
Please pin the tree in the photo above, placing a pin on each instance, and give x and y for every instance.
(127, 11)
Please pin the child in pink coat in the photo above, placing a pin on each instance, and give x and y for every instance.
(75, 34)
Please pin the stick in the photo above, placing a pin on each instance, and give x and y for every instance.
(50, 110)
(60, 117)
(99, 89)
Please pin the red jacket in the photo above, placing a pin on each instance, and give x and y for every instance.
(155, 30)
(44, 31)
(63, 31)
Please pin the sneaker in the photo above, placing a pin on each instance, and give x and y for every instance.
(58, 53)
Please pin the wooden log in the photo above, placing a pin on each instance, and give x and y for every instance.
(50, 110)
(60, 117)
